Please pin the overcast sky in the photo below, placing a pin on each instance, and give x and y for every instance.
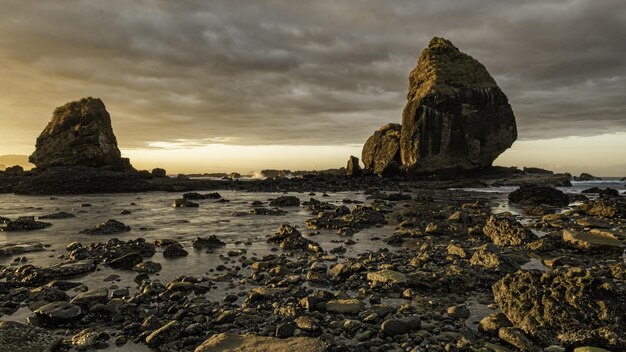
(189, 73)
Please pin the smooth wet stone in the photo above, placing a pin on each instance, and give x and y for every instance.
(345, 306)
(588, 240)
(73, 246)
(460, 311)
(126, 262)
(393, 327)
(306, 323)
(386, 277)
(285, 330)
(493, 322)
(98, 295)
(89, 339)
(59, 312)
(174, 250)
(20, 248)
(227, 342)
(17, 337)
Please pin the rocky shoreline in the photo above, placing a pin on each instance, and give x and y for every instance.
(455, 275)
(85, 180)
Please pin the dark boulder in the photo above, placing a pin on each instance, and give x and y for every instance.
(24, 224)
(539, 195)
(210, 242)
(14, 170)
(353, 168)
(381, 152)
(158, 172)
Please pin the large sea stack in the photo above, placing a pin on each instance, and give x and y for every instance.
(456, 118)
(79, 134)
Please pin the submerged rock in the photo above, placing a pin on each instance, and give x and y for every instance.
(184, 203)
(285, 201)
(108, 227)
(59, 215)
(24, 224)
(20, 248)
(79, 134)
(381, 152)
(210, 242)
(539, 195)
(456, 116)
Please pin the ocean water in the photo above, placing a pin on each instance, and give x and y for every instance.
(154, 218)
(499, 195)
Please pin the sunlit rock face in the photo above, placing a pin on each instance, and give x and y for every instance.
(381, 152)
(456, 116)
(79, 134)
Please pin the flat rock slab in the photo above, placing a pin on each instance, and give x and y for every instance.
(345, 306)
(251, 343)
(593, 240)
(16, 337)
(20, 248)
(59, 311)
(387, 277)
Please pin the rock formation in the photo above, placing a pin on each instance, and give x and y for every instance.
(353, 168)
(456, 117)
(79, 134)
(381, 152)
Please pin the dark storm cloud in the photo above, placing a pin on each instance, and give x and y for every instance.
(308, 72)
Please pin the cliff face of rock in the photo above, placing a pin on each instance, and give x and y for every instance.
(456, 117)
(79, 134)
